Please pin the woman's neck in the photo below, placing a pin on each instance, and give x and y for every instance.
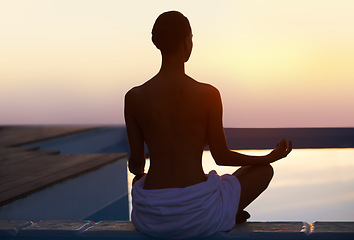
(172, 65)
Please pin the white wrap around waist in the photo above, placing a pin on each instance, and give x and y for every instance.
(198, 210)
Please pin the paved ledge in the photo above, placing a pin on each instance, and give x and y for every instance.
(270, 230)
(332, 230)
(77, 230)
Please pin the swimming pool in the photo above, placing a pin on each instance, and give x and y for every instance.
(308, 185)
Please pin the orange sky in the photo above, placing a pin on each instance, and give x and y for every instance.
(277, 63)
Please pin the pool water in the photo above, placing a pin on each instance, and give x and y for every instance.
(309, 185)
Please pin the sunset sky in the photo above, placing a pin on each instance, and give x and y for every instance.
(286, 63)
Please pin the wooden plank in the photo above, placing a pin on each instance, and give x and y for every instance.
(11, 157)
(40, 182)
(6, 150)
(24, 170)
(43, 178)
(24, 166)
(41, 166)
(15, 157)
(22, 162)
(17, 135)
(62, 167)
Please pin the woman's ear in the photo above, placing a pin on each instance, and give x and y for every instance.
(187, 46)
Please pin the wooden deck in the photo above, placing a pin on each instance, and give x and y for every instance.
(27, 170)
(17, 135)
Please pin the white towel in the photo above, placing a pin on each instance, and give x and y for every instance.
(199, 210)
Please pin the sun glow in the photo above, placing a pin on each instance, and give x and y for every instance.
(270, 58)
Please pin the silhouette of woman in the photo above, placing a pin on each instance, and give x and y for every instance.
(177, 116)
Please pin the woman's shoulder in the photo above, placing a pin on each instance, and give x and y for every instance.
(207, 89)
(136, 91)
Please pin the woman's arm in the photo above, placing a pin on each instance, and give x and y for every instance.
(218, 146)
(237, 159)
(136, 162)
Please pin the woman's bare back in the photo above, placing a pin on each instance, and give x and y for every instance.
(173, 117)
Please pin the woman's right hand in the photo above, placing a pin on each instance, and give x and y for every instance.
(138, 177)
(281, 151)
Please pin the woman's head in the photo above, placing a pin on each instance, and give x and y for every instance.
(171, 29)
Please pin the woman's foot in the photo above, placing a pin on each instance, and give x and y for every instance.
(242, 216)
